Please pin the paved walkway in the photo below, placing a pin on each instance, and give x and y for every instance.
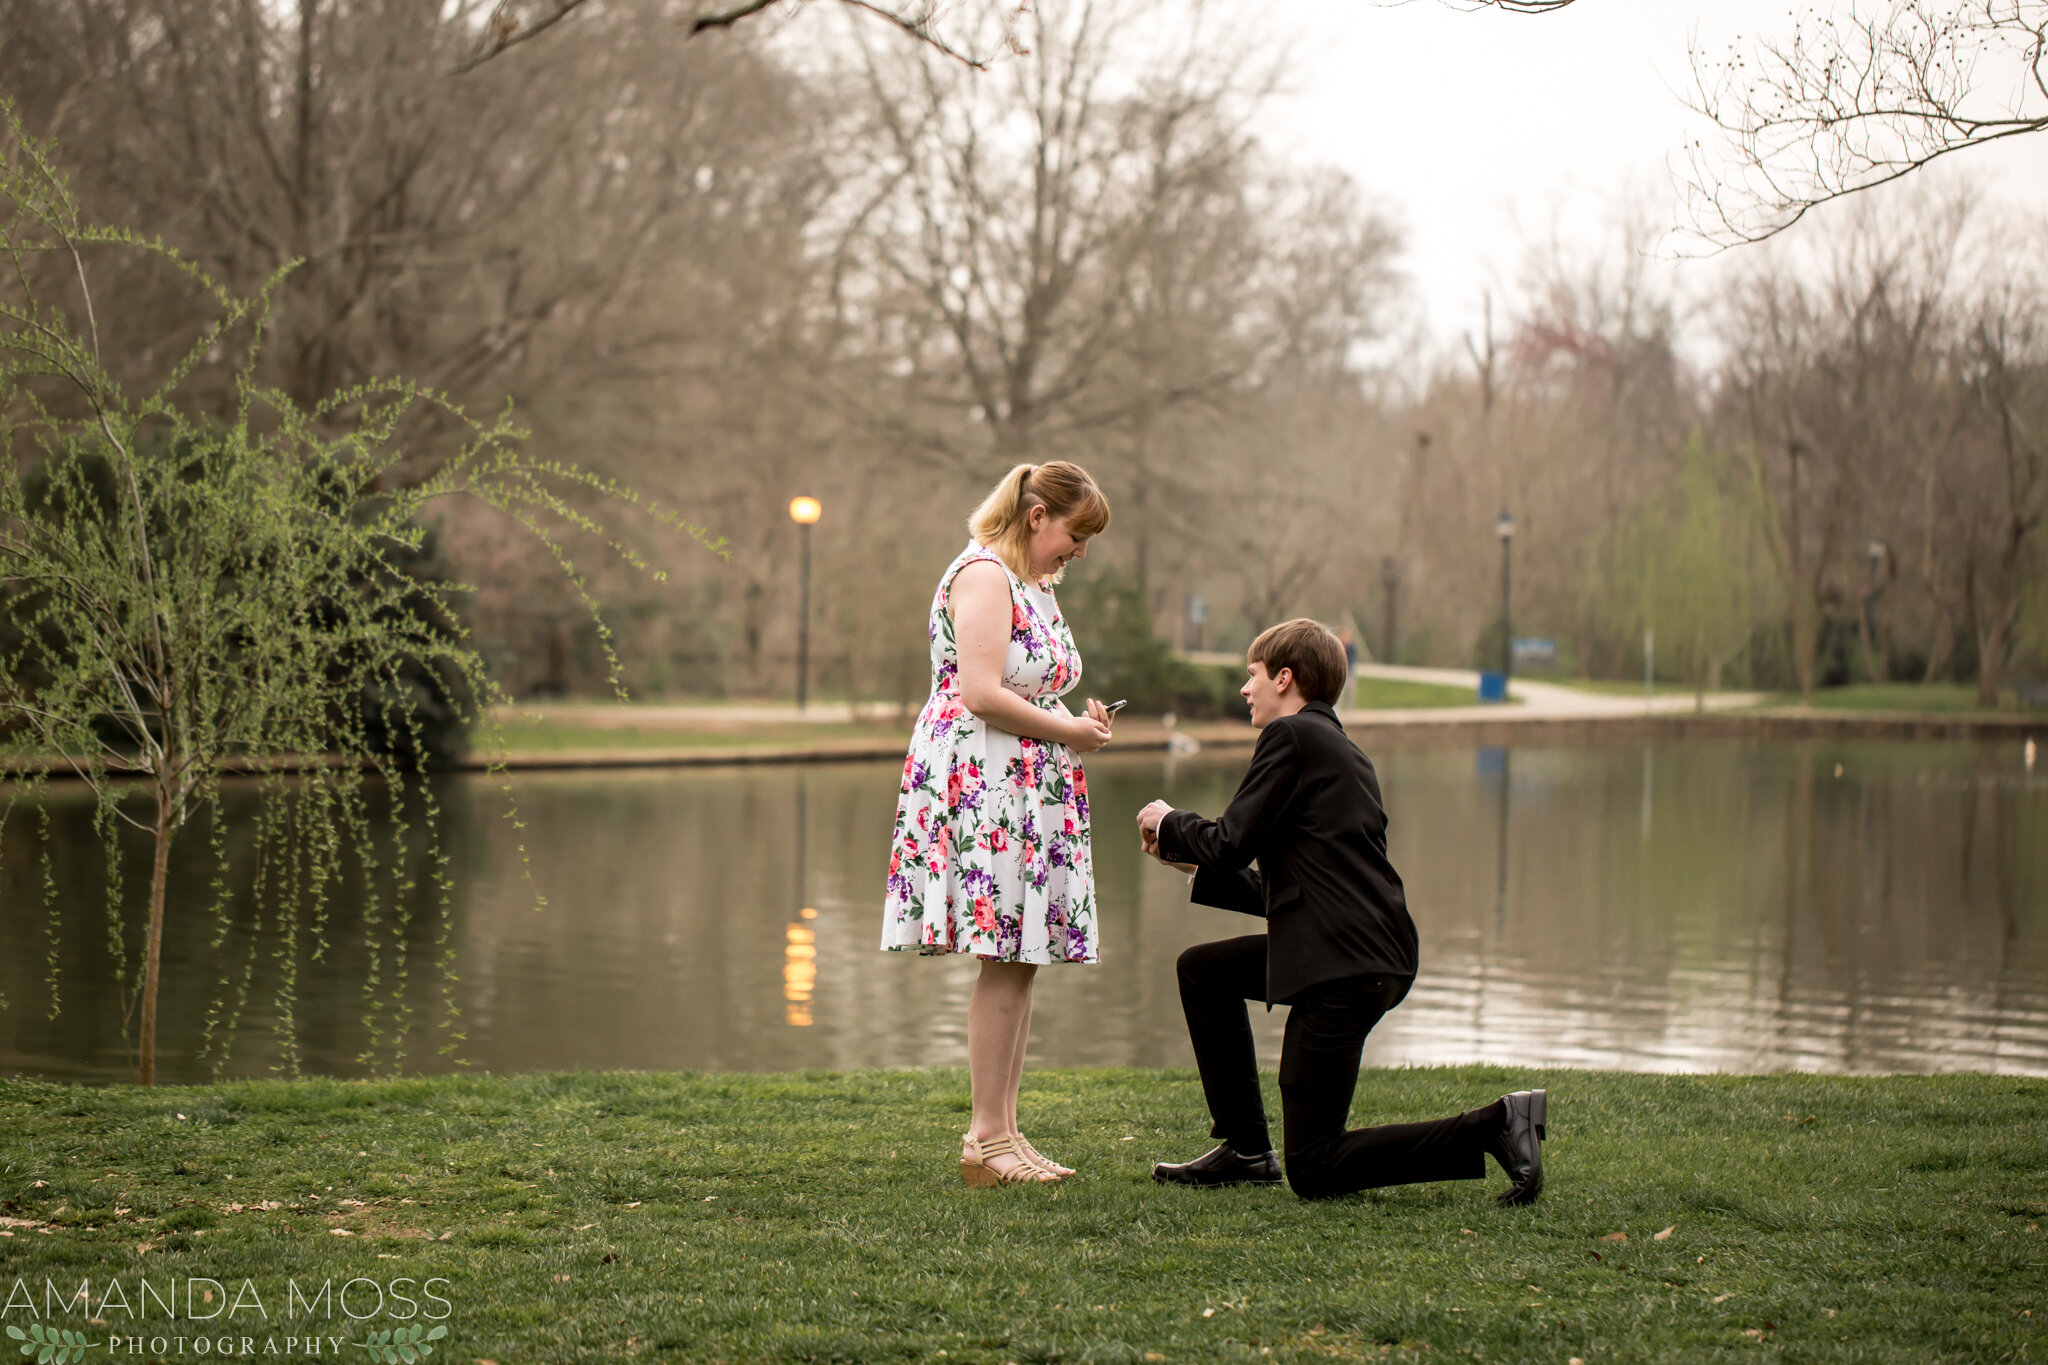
(1536, 700)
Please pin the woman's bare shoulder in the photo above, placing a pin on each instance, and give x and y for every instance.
(982, 584)
(984, 572)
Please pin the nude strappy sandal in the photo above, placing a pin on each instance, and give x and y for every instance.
(1039, 1159)
(978, 1174)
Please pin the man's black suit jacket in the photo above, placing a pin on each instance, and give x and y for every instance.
(1309, 811)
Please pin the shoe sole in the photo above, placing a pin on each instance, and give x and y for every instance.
(1212, 1184)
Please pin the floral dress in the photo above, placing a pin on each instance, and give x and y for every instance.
(991, 849)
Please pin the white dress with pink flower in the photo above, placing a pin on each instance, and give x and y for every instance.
(991, 850)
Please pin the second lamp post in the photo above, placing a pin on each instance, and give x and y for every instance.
(1504, 527)
(805, 513)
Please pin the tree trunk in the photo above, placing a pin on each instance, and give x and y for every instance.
(159, 883)
(1805, 644)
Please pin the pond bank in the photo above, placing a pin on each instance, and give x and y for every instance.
(1473, 726)
(810, 1216)
(731, 745)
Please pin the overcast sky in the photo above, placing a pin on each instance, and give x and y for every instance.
(1469, 123)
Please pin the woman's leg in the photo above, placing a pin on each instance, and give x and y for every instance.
(998, 1013)
(1015, 1080)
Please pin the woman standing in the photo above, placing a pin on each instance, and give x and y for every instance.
(991, 850)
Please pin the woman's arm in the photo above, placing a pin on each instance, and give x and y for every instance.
(980, 605)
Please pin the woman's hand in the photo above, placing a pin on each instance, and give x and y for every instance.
(1088, 733)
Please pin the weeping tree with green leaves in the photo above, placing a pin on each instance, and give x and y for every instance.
(204, 581)
(1688, 568)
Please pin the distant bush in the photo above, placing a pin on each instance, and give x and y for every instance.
(1121, 657)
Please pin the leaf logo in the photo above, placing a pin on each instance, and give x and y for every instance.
(407, 1344)
(49, 1344)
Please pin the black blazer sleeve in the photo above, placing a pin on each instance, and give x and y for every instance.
(1223, 848)
(1243, 890)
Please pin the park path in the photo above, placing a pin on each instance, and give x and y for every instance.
(1538, 700)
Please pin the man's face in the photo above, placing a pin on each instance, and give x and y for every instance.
(1265, 693)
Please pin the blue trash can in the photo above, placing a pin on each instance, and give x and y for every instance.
(1493, 686)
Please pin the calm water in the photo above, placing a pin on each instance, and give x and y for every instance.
(1706, 906)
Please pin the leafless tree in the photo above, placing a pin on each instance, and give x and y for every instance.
(513, 22)
(1849, 101)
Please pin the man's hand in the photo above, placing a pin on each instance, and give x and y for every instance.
(1148, 833)
(1150, 844)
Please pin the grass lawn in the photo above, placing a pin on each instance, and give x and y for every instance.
(1396, 694)
(820, 1217)
(1613, 687)
(1946, 698)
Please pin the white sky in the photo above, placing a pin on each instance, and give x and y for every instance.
(1482, 128)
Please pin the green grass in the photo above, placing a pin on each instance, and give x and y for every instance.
(820, 1217)
(1613, 687)
(1943, 698)
(1395, 694)
(549, 737)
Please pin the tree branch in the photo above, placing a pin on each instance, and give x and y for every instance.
(508, 30)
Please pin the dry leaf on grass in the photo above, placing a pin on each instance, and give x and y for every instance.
(1664, 1235)
(1615, 1237)
(1723, 1298)
(339, 1232)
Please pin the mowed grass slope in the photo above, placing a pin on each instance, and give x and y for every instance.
(820, 1217)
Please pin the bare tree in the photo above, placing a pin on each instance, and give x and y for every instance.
(1995, 493)
(999, 239)
(1853, 100)
(466, 232)
(513, 22)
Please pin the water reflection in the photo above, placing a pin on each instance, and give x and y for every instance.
(1773, 915)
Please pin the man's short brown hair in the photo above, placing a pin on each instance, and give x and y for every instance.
(1310, 650)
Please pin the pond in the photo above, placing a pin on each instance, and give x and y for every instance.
(1708, 905)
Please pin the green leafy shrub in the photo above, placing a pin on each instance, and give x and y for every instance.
(1122, 658)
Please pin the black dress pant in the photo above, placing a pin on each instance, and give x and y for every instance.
(1326, 1031)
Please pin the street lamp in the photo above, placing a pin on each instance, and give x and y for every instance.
(1871, 653)
(1390, 583)
(1504, 527)
(805, 513)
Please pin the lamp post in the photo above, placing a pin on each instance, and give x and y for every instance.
(1504, 527)
(805, 513)
(1390, 583)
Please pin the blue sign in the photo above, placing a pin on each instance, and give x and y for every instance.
(1534, 650)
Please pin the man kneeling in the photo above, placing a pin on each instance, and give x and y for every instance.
(1339, 948)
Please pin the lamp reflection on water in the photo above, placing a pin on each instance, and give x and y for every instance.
(800, 970)
(800, 942)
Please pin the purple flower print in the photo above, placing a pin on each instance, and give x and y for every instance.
(1077, 943)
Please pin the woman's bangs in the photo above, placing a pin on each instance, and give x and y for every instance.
(1091, 518)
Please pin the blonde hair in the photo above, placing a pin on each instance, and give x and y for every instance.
(1064, 489)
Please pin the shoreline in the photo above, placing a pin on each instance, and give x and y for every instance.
(1490, 726)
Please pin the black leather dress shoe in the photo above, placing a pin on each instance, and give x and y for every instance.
(1224, 1166)
(1519, 1148)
